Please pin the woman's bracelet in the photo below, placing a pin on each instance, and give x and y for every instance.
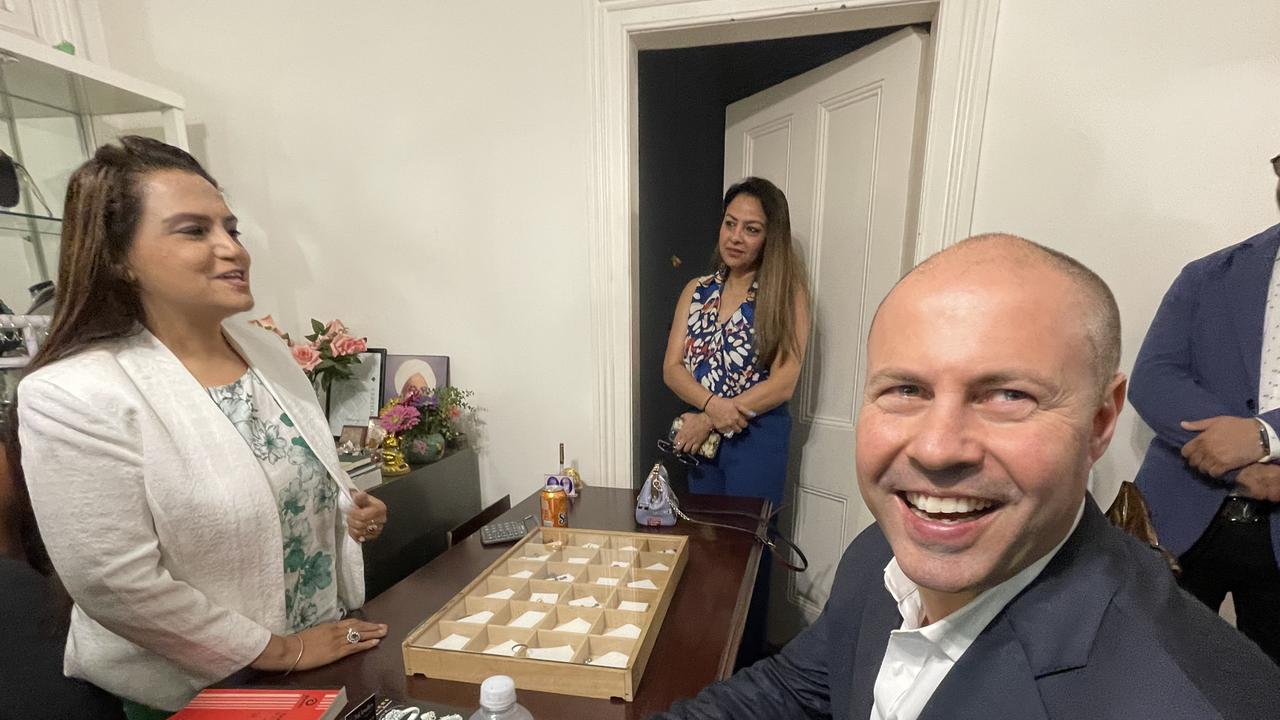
(708, 402)
(302, 646)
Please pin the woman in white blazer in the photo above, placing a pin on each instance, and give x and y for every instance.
(182, 474)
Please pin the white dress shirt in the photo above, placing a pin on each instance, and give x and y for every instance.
(1269, 370)
(918, 658)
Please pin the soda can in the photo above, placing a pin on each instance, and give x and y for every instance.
(555, 507)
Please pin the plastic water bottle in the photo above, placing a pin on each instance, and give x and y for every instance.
(498, 701)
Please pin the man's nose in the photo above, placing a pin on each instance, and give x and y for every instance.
(945, 437)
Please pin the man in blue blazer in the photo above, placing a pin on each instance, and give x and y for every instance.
(991, 586)
(1207, 381)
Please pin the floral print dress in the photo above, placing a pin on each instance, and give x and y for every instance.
(306, 496)
(722, 357)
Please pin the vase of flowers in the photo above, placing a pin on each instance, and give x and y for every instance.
(396, 419)
(424, 449)
(440, 416)
(328, 353)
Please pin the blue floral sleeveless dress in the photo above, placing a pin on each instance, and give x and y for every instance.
(722, 358)
(307, 499)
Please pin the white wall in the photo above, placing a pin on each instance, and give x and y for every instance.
(1135, 137)
(415, 168)
(419, 169)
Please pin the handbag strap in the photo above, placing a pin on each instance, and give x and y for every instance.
(765, 533)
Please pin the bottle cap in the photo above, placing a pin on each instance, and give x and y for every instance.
(497, 693)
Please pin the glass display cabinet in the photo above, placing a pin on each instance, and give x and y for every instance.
(55, 109)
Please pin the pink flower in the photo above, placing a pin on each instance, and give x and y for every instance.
(307, 356)
(399, 418)
(346, 345)
(268, 323)
(334, 329)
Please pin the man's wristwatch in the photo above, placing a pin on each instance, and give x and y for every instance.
(1264, 440)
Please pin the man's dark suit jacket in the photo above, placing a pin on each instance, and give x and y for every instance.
(1103, 632)
(1201, 358)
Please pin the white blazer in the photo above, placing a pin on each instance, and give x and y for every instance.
(159, 519)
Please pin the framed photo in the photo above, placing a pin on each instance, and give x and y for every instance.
(354, 434)
(427, 371)
(375, 435)
(353, 401)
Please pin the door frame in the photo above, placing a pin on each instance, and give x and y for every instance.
(963, 39)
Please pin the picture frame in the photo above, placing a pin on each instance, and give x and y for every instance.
(375, 435)
(354, 400)
(432, 372)
(354, 434)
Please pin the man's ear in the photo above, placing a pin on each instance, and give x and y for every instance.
(1106, 415)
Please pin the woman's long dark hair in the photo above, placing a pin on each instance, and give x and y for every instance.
(96, 299)
(780, 274)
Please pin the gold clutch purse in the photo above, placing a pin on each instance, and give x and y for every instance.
(709, 447)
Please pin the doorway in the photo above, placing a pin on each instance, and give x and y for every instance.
(840, 138)
(954, 80)
(683, 94)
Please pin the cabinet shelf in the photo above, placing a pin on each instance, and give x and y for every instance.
(55, 110)
(21, 223)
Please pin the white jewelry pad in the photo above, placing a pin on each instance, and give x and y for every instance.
(453, 642)
(528, 619)
(626, 631)
(507, 648)
(563, 653)
(613, 659)
(576, 625)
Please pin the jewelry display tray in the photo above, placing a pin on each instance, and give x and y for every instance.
(611, 570)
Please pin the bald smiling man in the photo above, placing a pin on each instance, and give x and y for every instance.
(991, 586)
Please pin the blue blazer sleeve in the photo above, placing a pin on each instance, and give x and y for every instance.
(1164, 389)
(1272, 418)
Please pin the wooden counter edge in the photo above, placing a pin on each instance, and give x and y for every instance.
(738, 621)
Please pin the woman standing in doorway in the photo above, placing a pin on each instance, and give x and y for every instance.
(736, 345)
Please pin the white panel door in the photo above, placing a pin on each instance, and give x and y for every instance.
(18, 16)
(839, 140)
(58, 22)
